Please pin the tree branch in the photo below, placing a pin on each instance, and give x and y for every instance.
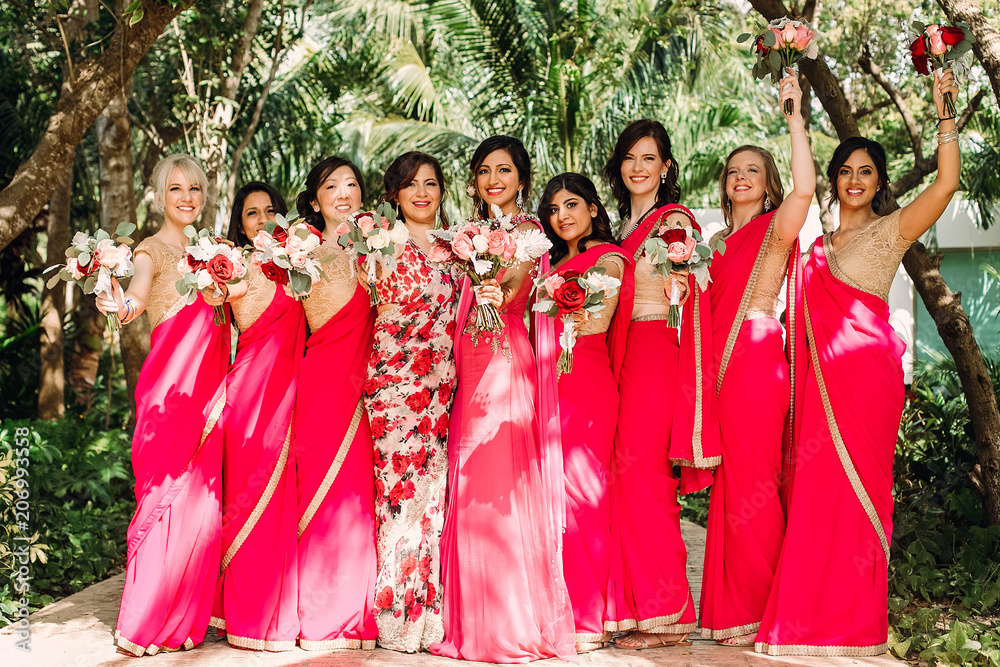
(873, 69)
(865, 111)
(987, 46)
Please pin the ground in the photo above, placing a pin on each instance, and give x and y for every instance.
(77, 632)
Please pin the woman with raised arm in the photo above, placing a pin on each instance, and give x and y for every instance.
(580, 231)
(745, 518)
(174, 538)
(830, 589)
(667, 391)
(505, 596)
(408, 394)
(257, 593)
(332, 441)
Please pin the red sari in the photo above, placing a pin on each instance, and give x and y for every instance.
(588, 411)
(336, 477)
(831, 585)
(667, 391)
(257, 594)
(174, 539)
(746, 521)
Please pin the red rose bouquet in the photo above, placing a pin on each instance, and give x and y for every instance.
(575, 298)
(943, 45)
(282, 253)
(208, 261)
(680, 249)
(482, 248)
(92, 260)
(781, 44)
(370, 237)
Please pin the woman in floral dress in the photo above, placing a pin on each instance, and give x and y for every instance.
(408, 395)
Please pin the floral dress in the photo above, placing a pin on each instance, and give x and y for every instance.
(408, 396)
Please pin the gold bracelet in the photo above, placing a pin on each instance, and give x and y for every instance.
(947, 137)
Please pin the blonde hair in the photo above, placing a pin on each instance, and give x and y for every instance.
(165, 167)
(772, 181)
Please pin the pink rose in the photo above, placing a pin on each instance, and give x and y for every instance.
(384, 224)
(461, 245)
(497, 242)
(440, 252)
(777, 38)
(109, 256)
(788, 34)
(803, 35)
(553, 282)
(256, 259)
(678, 252)
(262, 240)
(938, 47)
(510, 249)
(298, 258)
(73, 267)
(366, 222)
(342, 228)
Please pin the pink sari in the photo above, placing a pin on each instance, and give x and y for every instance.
(505, 598)
(257, 595)
(746, 521)
(174, 539)
(667, 391)
(336, 484)
(830, 588)
(588, 410)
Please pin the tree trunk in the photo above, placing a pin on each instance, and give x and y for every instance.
(51, 381)
(96, 81)
(944, 306)
(987, 46)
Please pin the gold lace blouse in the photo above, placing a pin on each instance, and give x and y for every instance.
(329, 296)
(869, 261)
(164, 302)
(259, 294)
(771, 275)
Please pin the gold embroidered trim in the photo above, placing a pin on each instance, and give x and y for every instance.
(792, 337)
(821, 651)
(760, 315)
(699, 456)
(333, 644)
(649, 624)
(331, 474)
(741, 313)
(261, 505)
(726, 633)
(139, 651)
(592, 637)
(655, 317)
(838, 440)
(261, 644)
(218, 623)
(213, 418)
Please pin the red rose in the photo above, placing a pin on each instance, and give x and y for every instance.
(396, 493)
(570, 274)
(378, 429)
(408, 596)
(313, 230)
(274, 273)
(423, 428)
(380, 462)
(400, 462)
(419, 401)
(379, 488)
(952, 36)
(431, 594)
(371, 386)
(279, 234)
(918, 53)
(759, 46)
(384, 598)
(424, 568)
(674, 236)
(419, 457)
(409, 489)
(449, 329)
(408, 566)
(441, 427)
(195, 264)
(415, 610)
(422, 362)
(220, 268)
(569, 296)
(444, 393)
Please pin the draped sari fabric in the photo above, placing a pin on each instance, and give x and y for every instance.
(830, 588)
(336, 484)
(505, 595)
(666, 385)
(257, 595)
(174, 539)
(588, 411)
(746, 520)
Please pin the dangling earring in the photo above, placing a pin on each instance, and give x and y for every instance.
(767, 203)
(663, 177)
(399, 214)
(520, 200)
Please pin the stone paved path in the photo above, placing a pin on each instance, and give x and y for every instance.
(77, 631)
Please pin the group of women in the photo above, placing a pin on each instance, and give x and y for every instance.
(395, 475)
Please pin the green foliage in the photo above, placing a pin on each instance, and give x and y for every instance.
(694, 506)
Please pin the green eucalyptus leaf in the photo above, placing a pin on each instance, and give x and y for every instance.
(769, 39)
(743, 37)
(125, 229)
(88, 285)
(53, 280)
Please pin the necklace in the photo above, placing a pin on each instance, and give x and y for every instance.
(638, 222)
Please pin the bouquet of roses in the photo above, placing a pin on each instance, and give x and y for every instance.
(92, 260)
(781, 44)
(482, 248)
(574, 297)
(679, 249)
(370, 237)
(943, 45)
(208, 261)
(281, 252)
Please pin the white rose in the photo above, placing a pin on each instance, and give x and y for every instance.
(311, 243)
(399, 233)
(204, 278)
(380, 239)
(480, 243)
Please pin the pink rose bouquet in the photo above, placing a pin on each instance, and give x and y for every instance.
(942, 45)
(779, 45)
(681, 249)
(208, 261)
(282, 251)
(482, 249)
(92, 260)
(575, 298)
(370, 238)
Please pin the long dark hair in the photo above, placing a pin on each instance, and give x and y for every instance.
(772, 180)
(883, 203)
(669, 192)
(582, 187)
(401, 173)
(236, 233)
(518, 155)
(318, 174)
